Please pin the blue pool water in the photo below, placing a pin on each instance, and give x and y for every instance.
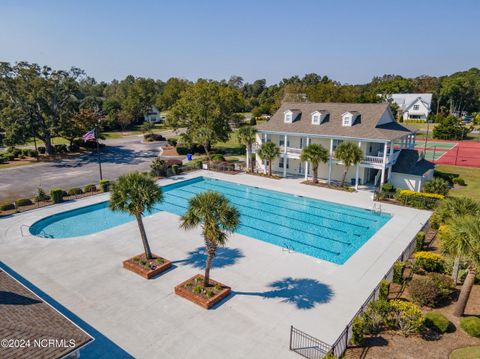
(321, 229)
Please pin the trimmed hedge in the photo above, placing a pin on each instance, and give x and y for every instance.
(89, 188)
(437, 322)
(23, 202)
(471, 325)
(431, 262)
(460, 181)
(56, 195)
(420, 240)
(384, 289)
(431, 290)
(74, 191)
(418, 199)
(7, 207)
(398, 268)
(104, 185)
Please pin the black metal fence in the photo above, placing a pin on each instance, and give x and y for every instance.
(307, 346)
(313, 348)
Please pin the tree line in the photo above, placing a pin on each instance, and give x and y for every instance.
(41, 102)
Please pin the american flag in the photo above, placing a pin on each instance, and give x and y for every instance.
(90, 135)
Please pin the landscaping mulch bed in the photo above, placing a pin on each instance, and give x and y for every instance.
(147, 268)
(263, 175)
(193, 290)
(169, 150)
(330, 186)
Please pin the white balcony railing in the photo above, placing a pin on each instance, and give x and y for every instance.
(291, 150)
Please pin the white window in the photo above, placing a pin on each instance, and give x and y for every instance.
(288, 117)
(301, 142)
(281, 162)
(416, 107)
(316, 119)
(347, 120)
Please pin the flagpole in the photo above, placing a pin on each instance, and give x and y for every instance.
(98, 153)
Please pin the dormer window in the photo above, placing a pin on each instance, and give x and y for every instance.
(316, 118)
(347, 119)
(288, 117)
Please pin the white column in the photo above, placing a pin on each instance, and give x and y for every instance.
(391, 154)
(357, 169)
(382, 180)
(285, 139)
(265, 162)
(414, 138)
(330, 162)
(307, 142)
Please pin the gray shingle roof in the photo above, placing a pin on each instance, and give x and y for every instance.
(365, 128)
(409, 162)
(25, 316)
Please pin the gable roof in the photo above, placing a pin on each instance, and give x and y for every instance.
(368, 127)
(27, 316)
(405, 100)
(410, 162)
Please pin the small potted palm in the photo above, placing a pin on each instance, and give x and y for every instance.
(135, 194)
(218, 219)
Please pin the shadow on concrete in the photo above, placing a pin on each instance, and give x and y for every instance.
(224, 257)
(303, 293)
(9, 298)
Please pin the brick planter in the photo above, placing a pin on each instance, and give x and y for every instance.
(151, 269)
(219, 291)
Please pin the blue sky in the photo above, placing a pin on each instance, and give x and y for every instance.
(350, 41)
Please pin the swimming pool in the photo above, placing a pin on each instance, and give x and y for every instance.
(320, 229)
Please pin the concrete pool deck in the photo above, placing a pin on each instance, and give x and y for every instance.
(272, 289)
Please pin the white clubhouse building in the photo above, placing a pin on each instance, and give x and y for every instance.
(370, 125)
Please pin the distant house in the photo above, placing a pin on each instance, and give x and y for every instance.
(413, 106)
(371, 126)
(154, 116)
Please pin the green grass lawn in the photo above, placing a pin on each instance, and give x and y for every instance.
(17, 163)
(470, 175)
(232, 146)
(466, 353)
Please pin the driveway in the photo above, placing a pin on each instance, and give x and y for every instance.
(120, 156)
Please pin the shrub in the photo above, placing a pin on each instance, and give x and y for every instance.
(158, 167)
(74, 191)
(460, 181)
(104, 185)
(172, 142)
(42, 150)
(376, 316)
(60, 148)
(398, 268)
(431, 262)
(384, 289)
(406, 317)
(431, 290)
(218, 157)
(418, 199)
(197, 289)
(420, 240)
(14, 151)
(41, 195)
(387, 187)
(7, 207)
(89, 188)
(437, 322)
(33, 153)
(176, 169)
(358, 330)
(23, 202)
(471, 325)
(25, 152)
(449, 177)
(9, 156)
(437, 185)
(73, 147)
(56, 195)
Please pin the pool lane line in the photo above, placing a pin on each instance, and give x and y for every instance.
(296, 202)
(281, 225)
(288, 217)
(296, 210)
(276, 235)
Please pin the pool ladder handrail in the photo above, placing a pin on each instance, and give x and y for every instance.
(21, 230)
(377, 207)
(288, 248)
(41, 233)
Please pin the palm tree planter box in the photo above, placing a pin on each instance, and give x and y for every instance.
(150, 269)
(218, 291)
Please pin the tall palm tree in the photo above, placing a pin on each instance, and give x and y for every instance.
(246, 135)
(268, 152)
(314, 153)
(135, 194)
(462, 239)
(450, 208)
(217, 218)
(350, 154)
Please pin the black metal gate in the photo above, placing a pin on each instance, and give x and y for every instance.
(307, 346)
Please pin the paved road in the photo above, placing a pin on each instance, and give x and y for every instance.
(120, 156)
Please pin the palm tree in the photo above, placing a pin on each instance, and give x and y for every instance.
(246, 135)
(268, 152)
(314, 153)
(136, 193)
(450, 208)
(462, 239)
(350, 154)
(218, 219)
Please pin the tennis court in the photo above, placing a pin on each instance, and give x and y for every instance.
(446, 145)
(465, 153)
